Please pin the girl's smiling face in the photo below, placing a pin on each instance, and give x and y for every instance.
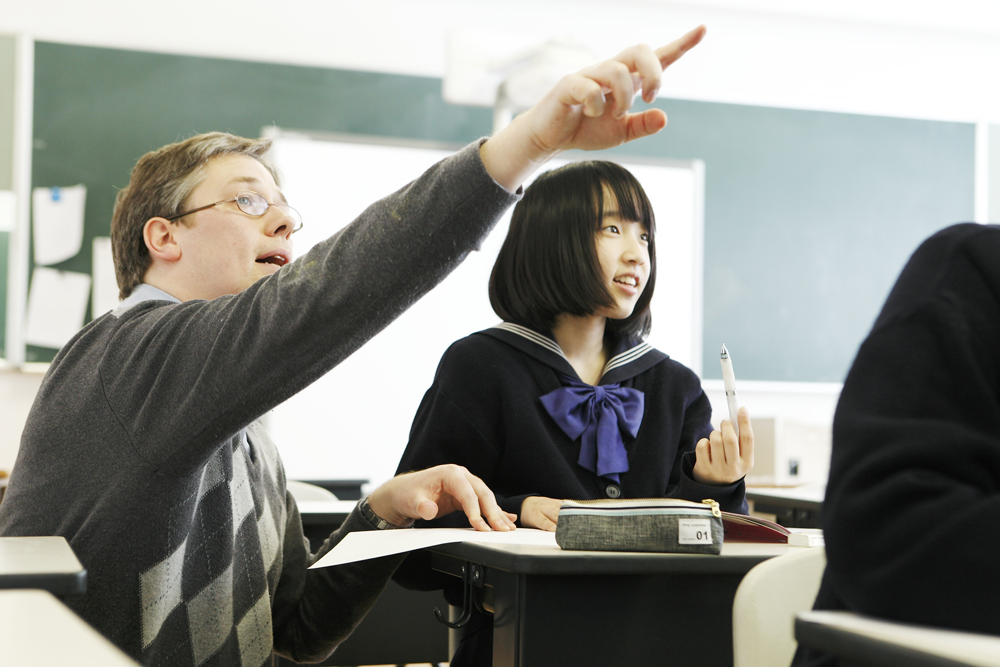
(623, 252)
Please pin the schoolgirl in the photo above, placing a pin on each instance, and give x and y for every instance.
(564, 399)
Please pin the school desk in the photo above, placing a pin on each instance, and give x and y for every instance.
(554, 607)
(860, 641)
(328, 514)
(794, 506)
(38, 630)
(47, 563)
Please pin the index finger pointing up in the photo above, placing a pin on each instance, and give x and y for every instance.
(674, 50)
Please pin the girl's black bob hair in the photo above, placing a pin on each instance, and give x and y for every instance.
(548, 264)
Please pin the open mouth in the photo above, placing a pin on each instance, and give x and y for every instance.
(277, 259)
(631, 281)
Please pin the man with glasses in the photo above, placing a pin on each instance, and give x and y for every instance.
(144, 447)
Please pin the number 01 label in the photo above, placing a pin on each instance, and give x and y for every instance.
(694, 531)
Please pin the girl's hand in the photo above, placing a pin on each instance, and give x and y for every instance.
(540, 512)
(719, 458)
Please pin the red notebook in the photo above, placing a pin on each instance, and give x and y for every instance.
(744, 528)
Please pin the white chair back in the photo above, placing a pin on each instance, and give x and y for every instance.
(766, 603)
(304, 491)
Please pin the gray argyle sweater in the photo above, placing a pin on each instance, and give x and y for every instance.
(143, 447)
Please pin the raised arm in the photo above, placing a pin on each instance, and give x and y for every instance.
(588, 110)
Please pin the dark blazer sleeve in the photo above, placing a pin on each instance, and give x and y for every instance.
(458, 421)
(445, 432)
(698, 425)
(912, 512)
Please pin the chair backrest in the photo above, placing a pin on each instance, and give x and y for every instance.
(303, 491)
(766, 603)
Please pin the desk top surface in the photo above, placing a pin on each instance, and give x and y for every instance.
(47, 563)
(36, 629)
(538, 560)
(856, 637)
(37, 555)
(808, 494)
(326, 513)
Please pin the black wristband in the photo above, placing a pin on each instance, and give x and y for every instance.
(374, 519)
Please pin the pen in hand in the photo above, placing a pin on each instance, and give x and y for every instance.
(729, 382)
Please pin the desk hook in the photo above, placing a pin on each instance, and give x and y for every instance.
(472, 575)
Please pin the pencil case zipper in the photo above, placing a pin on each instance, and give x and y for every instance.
(630, 505)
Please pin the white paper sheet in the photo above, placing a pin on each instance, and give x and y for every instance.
(57, 304)
(105, 293)
(8, 210)
(57, 222)
(373, 544)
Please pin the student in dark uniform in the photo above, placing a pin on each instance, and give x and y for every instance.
(910, 515)
(564, 399)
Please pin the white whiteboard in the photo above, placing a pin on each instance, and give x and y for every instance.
(332, 429)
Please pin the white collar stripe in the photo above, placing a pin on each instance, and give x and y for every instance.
(623, 359)
(628, 356)
(533, 336)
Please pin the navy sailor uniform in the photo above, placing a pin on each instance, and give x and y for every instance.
(485, 411)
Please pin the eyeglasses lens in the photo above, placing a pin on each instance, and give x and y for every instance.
(254, 204)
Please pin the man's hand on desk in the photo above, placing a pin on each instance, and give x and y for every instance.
(432, 493)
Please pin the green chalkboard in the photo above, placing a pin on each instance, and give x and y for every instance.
(809, 215)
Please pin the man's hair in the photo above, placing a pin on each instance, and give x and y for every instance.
(160, 185)
(548, 264)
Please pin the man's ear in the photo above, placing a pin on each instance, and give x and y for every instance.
(161, 240)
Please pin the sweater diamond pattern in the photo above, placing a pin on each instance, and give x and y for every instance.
(268, 532)
(161, 593)
(214, 586)
(239, 490)
(210, 616)
(252, 631)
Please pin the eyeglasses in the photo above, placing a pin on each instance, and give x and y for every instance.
(253, 204)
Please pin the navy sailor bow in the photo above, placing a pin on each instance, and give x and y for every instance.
(597, 414)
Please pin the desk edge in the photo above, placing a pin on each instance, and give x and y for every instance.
(63, 584)
(862, 650)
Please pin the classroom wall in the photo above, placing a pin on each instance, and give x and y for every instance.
(17, 393)
(7, 69)
(847, 56)
(889, 57)
(837, 200)
(7, 50)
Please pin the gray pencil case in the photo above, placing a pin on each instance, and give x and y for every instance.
(659, 524)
